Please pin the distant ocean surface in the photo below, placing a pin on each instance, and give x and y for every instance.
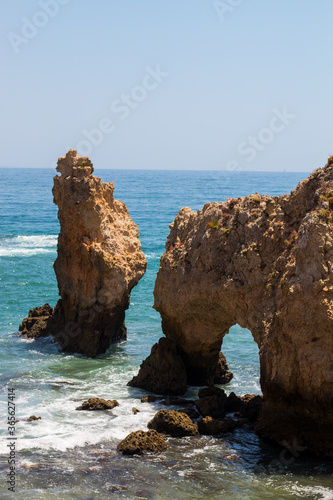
(72, 455)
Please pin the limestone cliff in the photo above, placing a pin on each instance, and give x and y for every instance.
(265, 263)
(99, 259)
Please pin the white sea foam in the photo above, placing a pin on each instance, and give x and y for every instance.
(319, 492)
(25, 246)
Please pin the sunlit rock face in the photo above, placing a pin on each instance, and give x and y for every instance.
(99, 258)
(266, 264)
(99, 261)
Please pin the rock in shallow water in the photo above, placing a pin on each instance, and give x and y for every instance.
(174, 423)
(212, 402)
(36, 324)
(164, 371)
(94, 404)
(140, 442)
(210, 426)
(99, 262)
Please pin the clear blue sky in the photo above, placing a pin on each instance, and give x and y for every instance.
(226, 74)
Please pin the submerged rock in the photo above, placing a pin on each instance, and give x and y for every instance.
(265, 263)
(140, 442)
(98, 404)
(33, 418)
(174, 423)
(99, 261)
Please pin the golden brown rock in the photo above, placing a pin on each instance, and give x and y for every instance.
(140, 442)
(99, 260)
(36, 324)
(174, 423)
(94, 404)
(265, 263)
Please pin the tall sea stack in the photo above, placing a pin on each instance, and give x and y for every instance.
(99, 261)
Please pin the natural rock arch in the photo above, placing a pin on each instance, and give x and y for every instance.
(265, 263)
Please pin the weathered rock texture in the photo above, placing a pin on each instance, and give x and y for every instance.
(164, 371)
(95, 404)
(36, 324)
(174, 423)
(99, 260)
(140, 442)
(266, 264)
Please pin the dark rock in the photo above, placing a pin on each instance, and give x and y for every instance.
(163, 372)
(175, 401)
(140, 442)
(150, 399)
(251, 406)
(191, 412)
(33, 418)
(135, 411)
(222, 374)
(210, 426)
(211, 402)
(174, 423)
(97, 404)
(212, 391)
(233, 403)
(37, 322)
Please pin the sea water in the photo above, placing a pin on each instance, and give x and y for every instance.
(72, 455)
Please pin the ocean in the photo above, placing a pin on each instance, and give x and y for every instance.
(72, 455)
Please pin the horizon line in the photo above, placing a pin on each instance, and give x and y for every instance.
(174, 170)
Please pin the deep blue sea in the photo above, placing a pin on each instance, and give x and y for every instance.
(72, 455)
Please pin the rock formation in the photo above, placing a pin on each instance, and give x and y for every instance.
(140, 442)
(266, 264)
(98, 404)
(99, 260)
(36, 324)
(164, 371)
(173, 423)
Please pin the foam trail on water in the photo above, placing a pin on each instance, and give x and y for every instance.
(25, 246)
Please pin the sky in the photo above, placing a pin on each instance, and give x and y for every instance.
(178, 84)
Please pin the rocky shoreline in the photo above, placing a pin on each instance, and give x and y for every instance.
(262, 262)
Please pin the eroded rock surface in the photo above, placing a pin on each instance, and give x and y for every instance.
(164, 371)
(174, 423)
(140, 442)
(99, 260)
(97, 404)
(36, 324)
(266, 264)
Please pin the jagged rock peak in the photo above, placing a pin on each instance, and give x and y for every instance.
(73, 165)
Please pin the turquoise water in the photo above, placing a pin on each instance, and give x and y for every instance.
(69, 454)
